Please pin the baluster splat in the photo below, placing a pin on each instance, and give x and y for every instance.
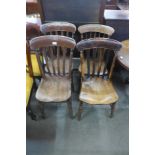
(51, 54)
(88, 63)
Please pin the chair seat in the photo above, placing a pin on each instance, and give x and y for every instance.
(98, 91)
(54, 89)
(91, 67)
(29, 84)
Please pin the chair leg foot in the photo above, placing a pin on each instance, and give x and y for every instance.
(69, 104)
(80, 110)
(42, 110)
(31, 114)
(112, 109)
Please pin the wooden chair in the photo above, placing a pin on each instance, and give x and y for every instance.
(55, 85)
(59, 28)
(97, 88)
(94, 31)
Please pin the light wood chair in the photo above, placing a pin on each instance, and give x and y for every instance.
(94, 31)
(55, 85)
(97, 88)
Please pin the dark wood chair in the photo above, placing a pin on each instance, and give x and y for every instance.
(97, 88)
(59, 28)
(77, 12)
(55, 85)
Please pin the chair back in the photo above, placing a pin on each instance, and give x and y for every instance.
(56, 52)
(95, 30)
(103, 51)
(58, 28)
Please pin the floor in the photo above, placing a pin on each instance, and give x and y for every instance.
(95, 134)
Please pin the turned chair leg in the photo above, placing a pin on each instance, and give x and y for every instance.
(42, 109)
(80, 110)
(112, 109)
(69, 104)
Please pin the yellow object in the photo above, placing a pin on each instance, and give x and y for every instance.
(29, 84)
(35, 66)
(125, 43)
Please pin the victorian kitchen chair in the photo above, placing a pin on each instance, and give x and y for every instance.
(59, 28)
(55, 85)
(94, 31)
(97, 88)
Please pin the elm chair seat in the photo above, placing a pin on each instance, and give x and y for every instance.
(54, 89)
(98, 91)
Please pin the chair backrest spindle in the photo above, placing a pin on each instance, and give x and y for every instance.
(58, 28)
(95, 30)
(52, 48)
(101, 52)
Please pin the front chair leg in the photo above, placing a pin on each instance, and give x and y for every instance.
(112, 109)
(80, 110)
(69, 104)
(42, 109)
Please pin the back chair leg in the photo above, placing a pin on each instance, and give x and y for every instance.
(42, 109)
(112, 109)
(69, 104)
(80, 110)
